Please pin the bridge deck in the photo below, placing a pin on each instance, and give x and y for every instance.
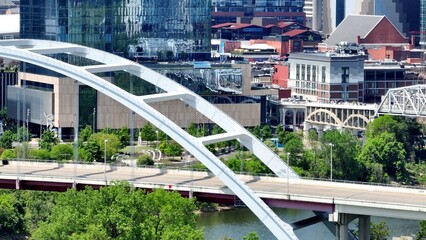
(306, 194)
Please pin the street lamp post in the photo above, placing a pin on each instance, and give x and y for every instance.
(27, 130)
(331, 161)
(94, 120)
(105, 157)
(288, 174)
(156, 146)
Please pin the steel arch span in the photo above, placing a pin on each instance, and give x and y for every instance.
(312, 118)
(35, 51)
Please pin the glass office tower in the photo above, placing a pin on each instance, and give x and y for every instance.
(404, 14)
(132, 28)
(285, 10)
(423, 24)
(137, 29)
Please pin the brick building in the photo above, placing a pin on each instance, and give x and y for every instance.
(376, 34)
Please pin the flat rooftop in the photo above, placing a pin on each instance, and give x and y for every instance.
(9, 23)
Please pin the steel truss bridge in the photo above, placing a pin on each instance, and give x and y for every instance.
(407, 101)
(39, 52)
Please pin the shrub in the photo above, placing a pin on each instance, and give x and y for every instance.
(62, 152)
(145, 160)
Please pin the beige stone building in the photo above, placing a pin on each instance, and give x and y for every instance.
(36, 96)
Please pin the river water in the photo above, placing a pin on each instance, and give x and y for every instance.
(239, 222)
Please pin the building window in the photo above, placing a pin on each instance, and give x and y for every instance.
(345, 74)
(323, 69)
(288, 74)
(308, 72)
(297, 71)
(303, 72)
(314, 73)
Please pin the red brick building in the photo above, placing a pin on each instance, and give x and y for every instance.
(377, 34)
(280, 76)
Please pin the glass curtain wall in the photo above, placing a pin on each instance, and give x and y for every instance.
(132, 28)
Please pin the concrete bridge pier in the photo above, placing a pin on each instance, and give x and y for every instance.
(342, 221)
(306, 127)
(320, 131)
(364, 226)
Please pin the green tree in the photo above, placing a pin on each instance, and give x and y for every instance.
(346, 148)
(23, 135)
(120, 212)
(279, 129)
(271, 145)
(284, 136)
(84, 155)
(251, 236)
(406, 131)
(148, 132)
(7, 139)
(293, 144)
(379, 231)
(123, 135)
(385, 150)
(255, 167)
(184, 233)
(421, 234)
(48, 140)
(10, 218)
(7, 123)
(85, 133)
(36, 205)
(266, 132)
(387, 123)
(91, 151)
(173, 149)
(96, 146)
(193, 129)
(312, 135)
(62, 152)
(256, 132)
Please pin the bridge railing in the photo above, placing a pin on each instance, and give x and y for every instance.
(189, 168)
(366, 183)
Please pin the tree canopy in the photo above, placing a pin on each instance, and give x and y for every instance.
(120, 212)
(383, 155)
(97, 144)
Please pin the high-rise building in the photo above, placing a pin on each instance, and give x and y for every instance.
(137, 29)
(308, 9)
(404, 14)
(224, 11)
(326, 14)
(423, 23)
(128, 27)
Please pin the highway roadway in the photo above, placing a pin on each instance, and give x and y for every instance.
(350, 198)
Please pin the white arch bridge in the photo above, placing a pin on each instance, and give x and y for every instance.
(38, 52)
(350, 116)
